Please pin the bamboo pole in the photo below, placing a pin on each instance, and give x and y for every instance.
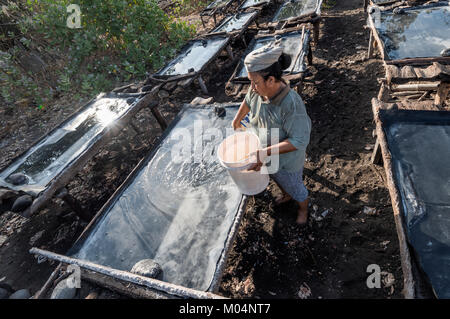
(126, 276)
(415, 87)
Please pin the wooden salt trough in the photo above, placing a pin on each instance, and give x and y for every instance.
(54, 159)
(181, 212)
(193, 59)
(411, 42)
(236, 25)
(414, 148)
(296, 12)
(297, 44)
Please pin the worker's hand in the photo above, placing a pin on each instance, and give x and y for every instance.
(259, 157)
(236, 124)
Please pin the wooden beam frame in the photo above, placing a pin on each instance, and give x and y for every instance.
(126, 277)
(408, 280)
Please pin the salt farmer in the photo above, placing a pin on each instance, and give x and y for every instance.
(274, 105)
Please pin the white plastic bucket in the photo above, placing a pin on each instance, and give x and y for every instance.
(233, 154)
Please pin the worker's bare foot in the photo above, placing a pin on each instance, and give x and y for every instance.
(283, 198)
(302, 213)
(302, 216)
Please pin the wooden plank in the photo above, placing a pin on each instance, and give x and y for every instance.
(185, 83)
(434, 72)
(441, 94)
(408, 280)
(123, 288)
(408, 72)
(159, 117)
(371, 44)
(383, 94)
(316, 32)
(374, 33)
(376, 157)
(419, 61)
(43, 291)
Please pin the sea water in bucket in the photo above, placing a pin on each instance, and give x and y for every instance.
(234, 154)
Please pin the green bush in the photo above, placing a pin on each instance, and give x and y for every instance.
(137, 31)
(119, 40)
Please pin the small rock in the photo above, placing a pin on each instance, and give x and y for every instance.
(4, 294)
(388, 279)
(92, 295)
(21, 294)
(220, 111)
(6, 193)
(370, 210)
(325, 213)
(304, 291)
(22, 203)
(148, 268)
(17, 179)
(249, 287)
(369, 147)
(63, 291)
(163, 94)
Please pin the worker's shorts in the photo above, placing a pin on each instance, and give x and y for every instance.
(292, 183)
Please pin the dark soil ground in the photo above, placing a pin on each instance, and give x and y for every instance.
(271, 257)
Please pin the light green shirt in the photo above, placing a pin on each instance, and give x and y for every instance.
(286, 112)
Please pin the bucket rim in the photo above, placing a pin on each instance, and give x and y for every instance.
(226, 164)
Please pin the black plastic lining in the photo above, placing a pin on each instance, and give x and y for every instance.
(419, 143)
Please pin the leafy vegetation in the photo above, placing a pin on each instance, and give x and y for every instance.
(328, 4)
(119, 40)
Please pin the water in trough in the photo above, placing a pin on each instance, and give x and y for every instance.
(176, 210)
(52, 154)
(415, 33)
(253, 3)
(195, 56)
(292, 9)
(235, 22)
(420, 148)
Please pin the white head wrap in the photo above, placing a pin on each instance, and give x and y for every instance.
(263, 57)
